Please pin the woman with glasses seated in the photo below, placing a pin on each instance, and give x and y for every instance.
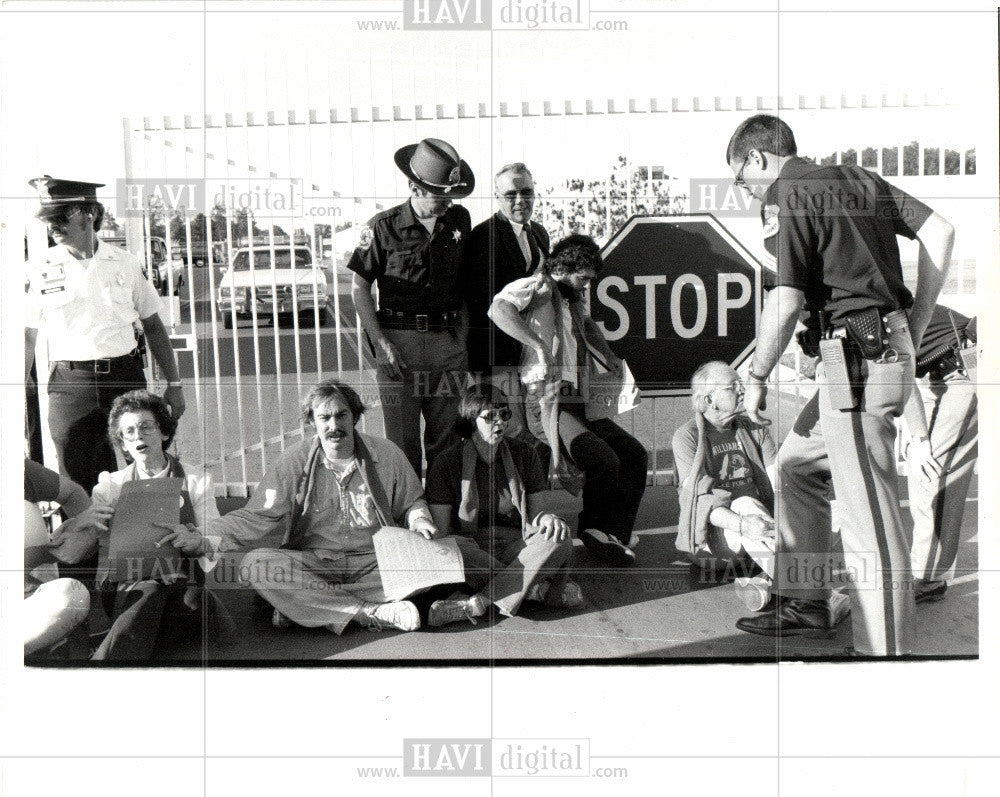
(151, 609)
(548, 314)
(489, 490)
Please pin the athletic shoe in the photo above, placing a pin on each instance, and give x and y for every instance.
(398, 615)
(606, 548)
(571, 596)
(456, 608)
(929, 591)
(278, 620)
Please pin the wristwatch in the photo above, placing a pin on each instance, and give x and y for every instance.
(755, 377)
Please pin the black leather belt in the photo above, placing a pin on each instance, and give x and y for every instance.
(102, 366)
(421, 322)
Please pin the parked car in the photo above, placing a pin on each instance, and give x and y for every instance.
(176, 265)
(242, 287)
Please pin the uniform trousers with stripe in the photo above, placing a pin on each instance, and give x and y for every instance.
(951, 406)
(855, 451)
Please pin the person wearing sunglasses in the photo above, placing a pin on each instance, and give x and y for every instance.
(89, 296)
(489, 490)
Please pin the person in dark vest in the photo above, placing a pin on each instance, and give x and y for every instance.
(147, 611)
(507, 246)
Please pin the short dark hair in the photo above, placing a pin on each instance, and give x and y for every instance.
(474, 401)
(762, 132)
(573, 254)
(328, 389)
(139, 401)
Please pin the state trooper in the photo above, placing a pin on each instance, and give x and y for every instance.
(88, 296)
(413, 252)
(942, 459)
(832, 230)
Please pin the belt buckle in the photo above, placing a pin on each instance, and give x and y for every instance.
(422, 323)
(102, 366)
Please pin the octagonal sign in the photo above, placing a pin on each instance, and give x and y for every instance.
(675, 292)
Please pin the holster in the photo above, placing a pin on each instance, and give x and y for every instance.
(809, 341)
(867, 332)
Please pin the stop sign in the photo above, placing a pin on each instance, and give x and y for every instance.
(675, 292)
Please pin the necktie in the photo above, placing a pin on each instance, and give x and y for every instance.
(522, 241)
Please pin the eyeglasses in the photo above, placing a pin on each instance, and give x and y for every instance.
(133, 432)
(511, 196)
(737, 387)
(492, 416)
(739, 182)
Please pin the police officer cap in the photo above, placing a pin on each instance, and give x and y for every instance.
(434, 165)
(55, 194)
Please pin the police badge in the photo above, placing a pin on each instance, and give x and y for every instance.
(771, 224)
(366, 238)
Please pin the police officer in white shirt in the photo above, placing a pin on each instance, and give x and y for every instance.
(88, 295)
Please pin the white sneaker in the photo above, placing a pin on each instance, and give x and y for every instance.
(455, 609)
(398, 615)
(754, 591)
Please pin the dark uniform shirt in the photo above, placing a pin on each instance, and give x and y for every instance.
(940, 331)
(415, 271)
(832, 230)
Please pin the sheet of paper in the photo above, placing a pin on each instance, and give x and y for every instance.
(408, 563)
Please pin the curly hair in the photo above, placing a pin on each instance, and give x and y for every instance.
(139, 401)
(573, 254)
(326, 390)
(474, 401)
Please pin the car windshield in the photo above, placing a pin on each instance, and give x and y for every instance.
(262, 259)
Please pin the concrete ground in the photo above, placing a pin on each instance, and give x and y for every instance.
(661, 610)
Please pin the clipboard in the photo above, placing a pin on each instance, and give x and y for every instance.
(132, 537)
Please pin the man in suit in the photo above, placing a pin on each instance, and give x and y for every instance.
(505, 247)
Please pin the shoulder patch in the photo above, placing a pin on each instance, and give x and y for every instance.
(771, 224)
(366, 238)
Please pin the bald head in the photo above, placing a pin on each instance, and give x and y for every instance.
(708, 378)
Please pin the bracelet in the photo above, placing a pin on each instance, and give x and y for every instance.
(755, 377)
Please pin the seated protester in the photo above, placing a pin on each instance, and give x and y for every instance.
(326, 496)
(548, 314)
(726, 495)
(140, 424)
(490, 489)
(55, 608)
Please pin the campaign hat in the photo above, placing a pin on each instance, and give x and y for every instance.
(435, 166)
